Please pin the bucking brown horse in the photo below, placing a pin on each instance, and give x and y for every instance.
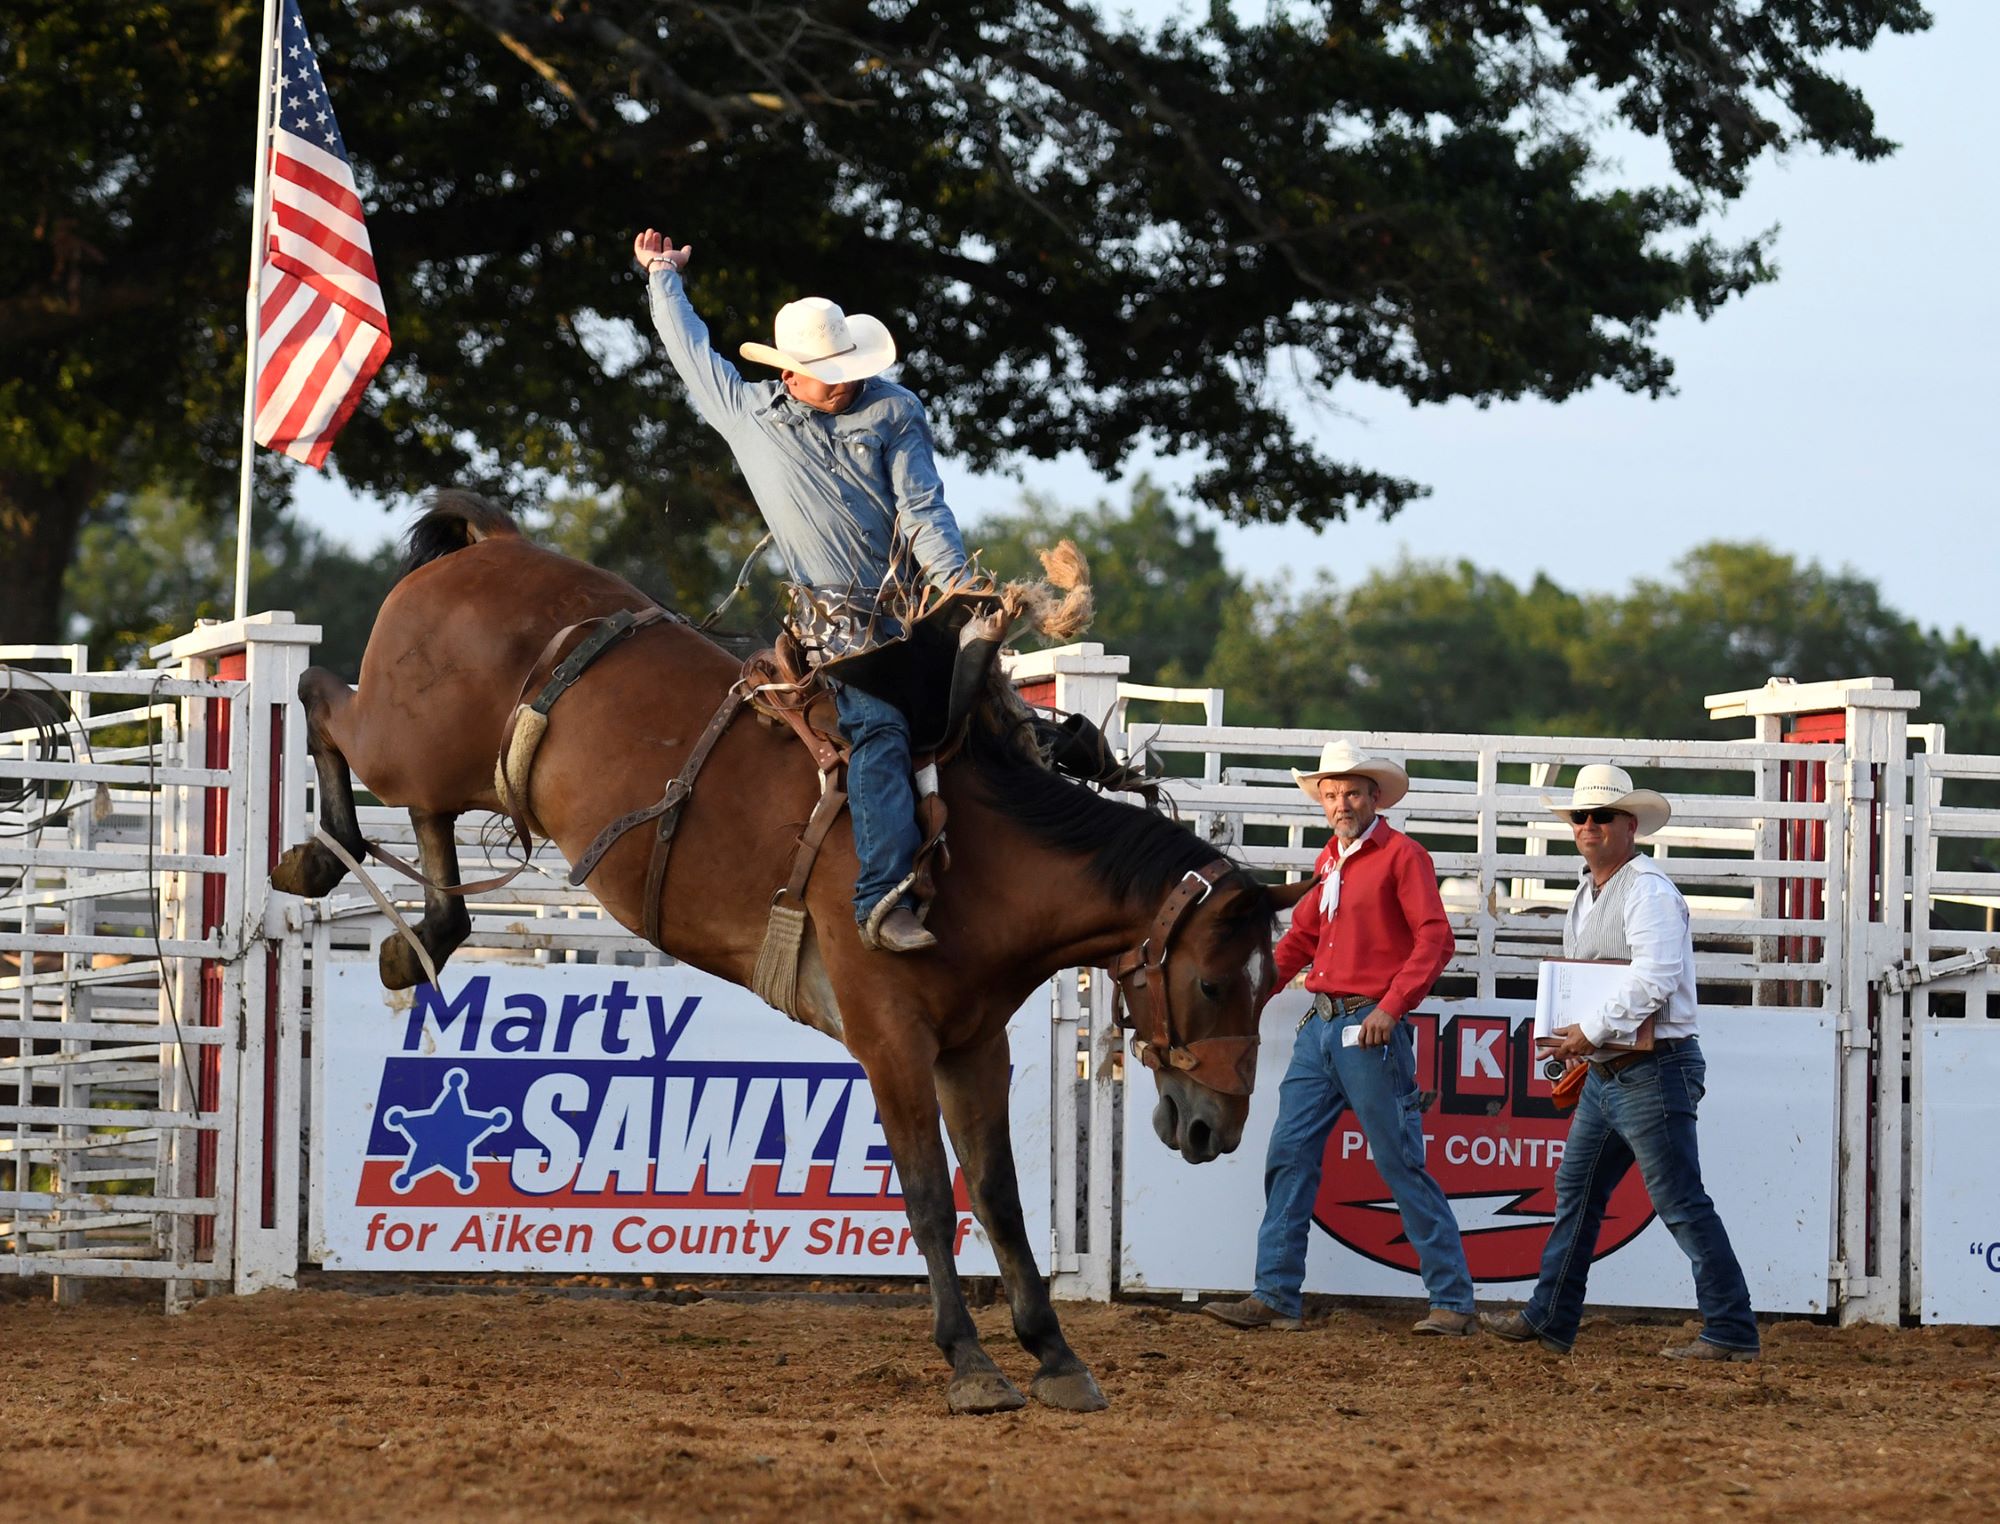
(1045, 874)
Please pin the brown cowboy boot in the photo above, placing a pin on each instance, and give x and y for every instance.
(1441, 1321)
(1250, 1312)
(1704, 1349)
(902, 932)
(1516, 1329)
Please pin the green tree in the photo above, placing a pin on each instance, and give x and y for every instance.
(1735, 615)
(1092, 236)
(1440, 648)
(1282, 657)
(1432, 646)
(1157, 574)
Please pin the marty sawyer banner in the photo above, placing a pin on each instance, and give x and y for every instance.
(587, 1117)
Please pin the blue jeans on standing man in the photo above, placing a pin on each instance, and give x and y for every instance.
(880, 795)
(1326, 1077)
(1643, 1114)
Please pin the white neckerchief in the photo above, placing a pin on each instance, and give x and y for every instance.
(1329, 889)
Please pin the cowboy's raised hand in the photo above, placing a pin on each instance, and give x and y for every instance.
(653, 249)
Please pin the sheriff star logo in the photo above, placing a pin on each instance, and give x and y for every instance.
(444, 1135)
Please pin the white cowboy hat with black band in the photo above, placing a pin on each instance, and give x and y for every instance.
(1600, 786)
(814, 337)
(1340, 759)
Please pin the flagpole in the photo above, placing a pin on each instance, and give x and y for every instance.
(260, 189)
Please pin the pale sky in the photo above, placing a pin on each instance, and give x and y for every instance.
(1843, 413)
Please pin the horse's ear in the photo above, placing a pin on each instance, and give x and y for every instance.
(1285, 896)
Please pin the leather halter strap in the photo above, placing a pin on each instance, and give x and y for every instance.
(1224, 1064)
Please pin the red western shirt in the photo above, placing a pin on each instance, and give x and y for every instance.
(1387, 938)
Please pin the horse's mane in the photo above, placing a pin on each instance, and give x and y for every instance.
(454, 519)
(1136, 854)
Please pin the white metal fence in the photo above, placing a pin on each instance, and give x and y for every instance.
(1792, 852)
(142, 1041)
(1946, 1001)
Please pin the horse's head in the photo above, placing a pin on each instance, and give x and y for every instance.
(1193, 992)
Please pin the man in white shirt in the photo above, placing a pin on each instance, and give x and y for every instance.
(1637, 1106)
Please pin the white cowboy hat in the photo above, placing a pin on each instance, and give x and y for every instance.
(1339, 759)
(1600, 786)
(817, 339)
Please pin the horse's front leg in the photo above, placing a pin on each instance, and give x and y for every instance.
(906, 1097)
(446, 921)
(309, 868)
(973, 1085)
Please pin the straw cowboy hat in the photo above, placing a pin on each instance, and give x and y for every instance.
(1600, 786)
(1339, 759)
(817, 339)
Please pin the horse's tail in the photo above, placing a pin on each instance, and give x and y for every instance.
(454, 520)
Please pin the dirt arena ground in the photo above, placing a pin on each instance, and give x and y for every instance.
(539, 1405)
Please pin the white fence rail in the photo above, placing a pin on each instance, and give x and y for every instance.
(1794, 854)
(139, 1029)
(1948, 993)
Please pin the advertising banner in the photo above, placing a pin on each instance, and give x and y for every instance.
(1493, 1140)
(596, 1118)
(1960, 1242)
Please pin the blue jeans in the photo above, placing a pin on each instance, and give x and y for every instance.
(1645, 1114)
(1381, 1085)
(880, 795)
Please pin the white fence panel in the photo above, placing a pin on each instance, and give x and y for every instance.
(1952, 981)
(138, 814)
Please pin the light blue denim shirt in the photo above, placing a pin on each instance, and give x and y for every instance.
(837, 490)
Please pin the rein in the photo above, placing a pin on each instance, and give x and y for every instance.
(1224, 1064)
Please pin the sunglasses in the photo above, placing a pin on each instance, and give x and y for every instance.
(1595, 817)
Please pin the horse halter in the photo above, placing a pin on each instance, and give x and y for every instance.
(1224, 1064)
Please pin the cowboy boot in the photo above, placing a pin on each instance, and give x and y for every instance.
(1704, 1349)
(1442, 1322)
(902, 932)
(1251, 1312)
(1516, 1329)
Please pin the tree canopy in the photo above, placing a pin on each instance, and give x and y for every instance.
(1436, 646)
(1422, 645)
(1091, 235)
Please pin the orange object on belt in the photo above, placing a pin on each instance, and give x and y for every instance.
(1566, 1090)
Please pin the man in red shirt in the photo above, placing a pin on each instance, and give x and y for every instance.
(1373, 930)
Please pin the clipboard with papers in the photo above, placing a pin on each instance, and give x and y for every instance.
(1569, 989)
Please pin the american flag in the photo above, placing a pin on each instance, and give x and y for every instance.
(321, 331)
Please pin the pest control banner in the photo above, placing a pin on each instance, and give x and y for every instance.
(596, 1118)
(1493, 1139)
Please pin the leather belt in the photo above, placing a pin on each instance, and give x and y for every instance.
(1340, 1007)
(1627, 1060)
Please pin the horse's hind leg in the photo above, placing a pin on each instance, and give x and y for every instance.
(446, 921)
(906, 1096)
(309, 868)
(972, 1084)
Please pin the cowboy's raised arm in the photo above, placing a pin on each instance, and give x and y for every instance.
(921, 515)
(720, 394)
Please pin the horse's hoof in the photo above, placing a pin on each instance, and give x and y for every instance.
(399, 967)
(1074, 1391)
(984, 1392)
(309, 870)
